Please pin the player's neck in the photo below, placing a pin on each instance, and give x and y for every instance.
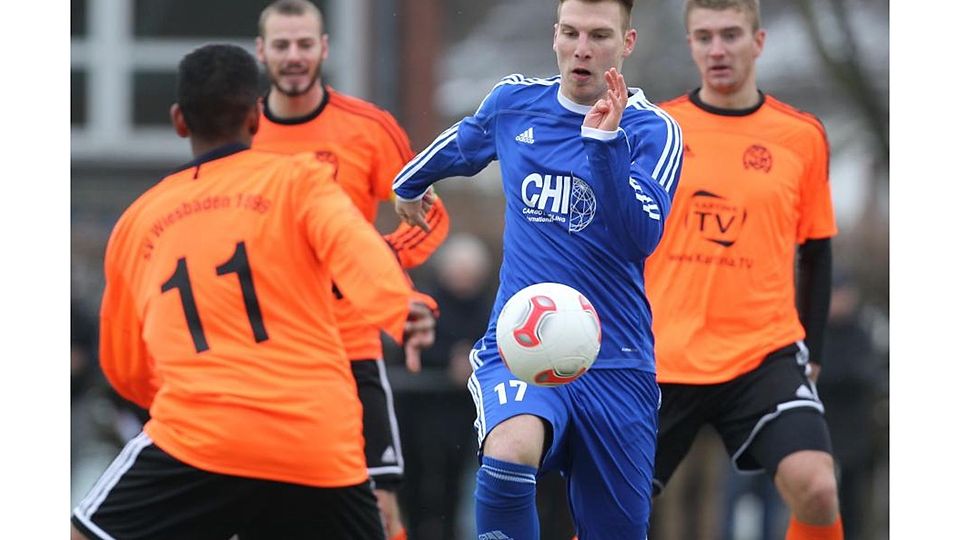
(744, 98)
(200, 147)
(284, 106)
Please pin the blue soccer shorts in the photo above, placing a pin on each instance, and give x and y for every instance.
(604, 433)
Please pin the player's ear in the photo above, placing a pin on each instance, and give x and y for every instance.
(629, 41)
(260, 53)
(178, 121)
(759, 38)
(324, 47)
(556, 29)
(253, 118)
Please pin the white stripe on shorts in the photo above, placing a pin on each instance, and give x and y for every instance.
(98, 493)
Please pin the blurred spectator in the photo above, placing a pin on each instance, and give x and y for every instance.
(753, 509)
(435, 409)
(690, 507)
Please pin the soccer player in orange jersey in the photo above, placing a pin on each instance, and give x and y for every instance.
(737, 344)
(367, 148)
(217, 316)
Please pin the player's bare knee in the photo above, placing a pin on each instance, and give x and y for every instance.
(517, 440)
(808, 478)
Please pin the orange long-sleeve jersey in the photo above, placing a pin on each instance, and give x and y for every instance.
(721, 283)
(217, 315)
(366, 148)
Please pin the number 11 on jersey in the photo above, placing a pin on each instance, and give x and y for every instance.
(237, 264)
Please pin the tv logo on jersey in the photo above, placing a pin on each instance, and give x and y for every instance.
(558, 198)
(718, 219)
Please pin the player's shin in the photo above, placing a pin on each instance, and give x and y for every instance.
(506, 501)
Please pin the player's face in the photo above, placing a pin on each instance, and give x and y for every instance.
(589, 39)
(724, 47)
(292, 50)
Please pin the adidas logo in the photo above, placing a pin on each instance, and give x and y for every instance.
(494, 535)
(526, 136)
(389, 455)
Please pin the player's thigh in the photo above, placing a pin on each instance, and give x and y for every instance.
(774, 411)
(146, 493)
(612, 440)
(298, 512)
(683, 411)
(499, 396)
(381, 432)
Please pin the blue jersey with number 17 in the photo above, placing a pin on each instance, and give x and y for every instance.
(584, 207)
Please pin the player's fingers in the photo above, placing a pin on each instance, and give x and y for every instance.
(418, 219)
(412, 357)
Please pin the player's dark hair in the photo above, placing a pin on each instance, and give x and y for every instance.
(626, 7)
(290, 8)
(216, 88)
(750, 7)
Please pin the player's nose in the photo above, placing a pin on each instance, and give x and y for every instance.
(716, 47)
(582, 49)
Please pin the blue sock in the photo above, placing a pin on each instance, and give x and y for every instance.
(506, 501)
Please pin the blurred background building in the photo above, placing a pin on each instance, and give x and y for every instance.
(430, 62)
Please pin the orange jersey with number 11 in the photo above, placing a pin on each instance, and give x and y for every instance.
(217, 316)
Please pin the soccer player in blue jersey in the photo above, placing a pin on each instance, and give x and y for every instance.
(589, 170)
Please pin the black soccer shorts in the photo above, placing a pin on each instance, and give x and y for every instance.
(148, 494)
(762, 416)
(380, 430)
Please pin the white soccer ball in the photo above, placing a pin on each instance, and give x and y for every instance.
(548, 334)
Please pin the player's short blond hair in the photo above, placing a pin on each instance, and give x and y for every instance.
(750, 7)
(626, 7)
(290, 8)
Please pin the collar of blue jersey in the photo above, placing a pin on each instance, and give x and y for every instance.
(575, 107)
(695, 98)
(217, 153)
(296, 119)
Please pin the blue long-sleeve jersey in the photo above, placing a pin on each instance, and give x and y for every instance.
(584, 207)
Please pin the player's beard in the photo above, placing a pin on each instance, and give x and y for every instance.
(294, 92)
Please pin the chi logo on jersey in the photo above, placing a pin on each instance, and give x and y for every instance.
(558, 198)
(526, 136)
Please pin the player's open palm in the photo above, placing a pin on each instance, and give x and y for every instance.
(608, 110)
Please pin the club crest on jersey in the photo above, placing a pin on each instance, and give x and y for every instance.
(758, 157)
(562, 199)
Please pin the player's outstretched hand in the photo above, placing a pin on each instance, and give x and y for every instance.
(414, 213)
(418, 333)
(608, 110)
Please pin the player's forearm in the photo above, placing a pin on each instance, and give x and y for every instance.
(462, 150)
(126, 365)
(813, 292)
(638, 204)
